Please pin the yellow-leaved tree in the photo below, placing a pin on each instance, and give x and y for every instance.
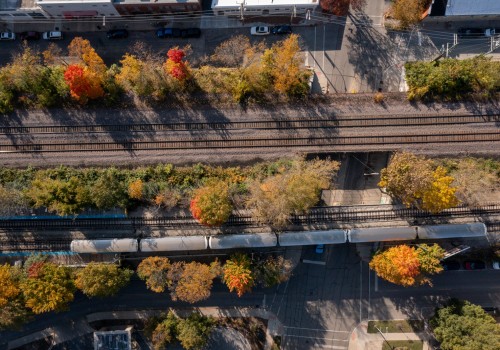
(282, 64)
(154, 271)
(9, 286)
(419, 182)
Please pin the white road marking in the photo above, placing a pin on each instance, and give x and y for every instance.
(317, 329)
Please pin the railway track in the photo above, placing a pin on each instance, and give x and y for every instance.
(235, 143)
(319, 215)
(335, 122)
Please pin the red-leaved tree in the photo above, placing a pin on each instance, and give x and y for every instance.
(175, 65)
(82, 84)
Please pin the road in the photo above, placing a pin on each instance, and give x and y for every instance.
(321, 304)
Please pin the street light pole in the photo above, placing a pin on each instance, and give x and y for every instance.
(382, 334)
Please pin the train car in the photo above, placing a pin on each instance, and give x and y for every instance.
(126, 245)
(175, 243)
(381, 234)
(477, 229)
(288, 239)
(250, 240)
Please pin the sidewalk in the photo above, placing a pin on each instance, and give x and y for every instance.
(81, 327)
(361, 340)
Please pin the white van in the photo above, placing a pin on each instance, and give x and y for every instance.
(52, 35)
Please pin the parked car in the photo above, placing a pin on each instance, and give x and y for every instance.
(282, 30)
(52, 35)
(261, 30)
(320, 248)
(7, 36)
(168, 33)
(491, 32)
(450, 265)
(191, 33)
(29, 36)
(474, 265)
(117, 34)
(470, 32)
(496, 265)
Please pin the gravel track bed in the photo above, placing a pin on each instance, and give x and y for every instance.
(245, 133)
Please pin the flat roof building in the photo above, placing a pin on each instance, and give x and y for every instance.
(464, 9)
(262, 7)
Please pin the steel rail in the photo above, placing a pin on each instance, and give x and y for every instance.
(334, 122)
(319, 215)
(212, 143)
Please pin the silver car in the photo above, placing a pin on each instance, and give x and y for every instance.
(261, 30)
(7, 36)
(52, 35)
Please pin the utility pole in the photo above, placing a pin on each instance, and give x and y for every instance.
(382, 334)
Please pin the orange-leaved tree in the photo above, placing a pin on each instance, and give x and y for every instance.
(82, 84)
(399, 265)
(406, 266)
(81, 49)
(238, 274)
(175, 65)
(135, 189)
(194, 281)
(211, 204)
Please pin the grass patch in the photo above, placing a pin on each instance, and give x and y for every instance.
(396, 326)
(403, 345)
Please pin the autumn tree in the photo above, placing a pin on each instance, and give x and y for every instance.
(293, 191)
(31, 82)
(176, 66)
(465, 326)
(9, 288)
(63, 197)
(407, 266)
(341, 7)
(51, 289)
(409, 12)
(273, 271)
(165, 332)
(81, 49)
(82, 83)
(154, 270)
(417, 181)
(238, 274)
(135, 189)
(102, 280)
(192, 281)
(194, 331)
(283, 66)
(211, 204)
(142, 72)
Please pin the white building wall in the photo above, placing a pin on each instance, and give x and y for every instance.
(262, 7)
(78, 8)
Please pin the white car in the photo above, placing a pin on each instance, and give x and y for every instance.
(52, 35)
(496, 265)
(261, 30)
(7, 36)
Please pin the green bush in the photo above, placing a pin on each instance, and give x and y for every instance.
(452, 79)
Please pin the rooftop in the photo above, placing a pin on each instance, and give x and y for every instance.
(472, 7)
(6, 5)
(112, 340)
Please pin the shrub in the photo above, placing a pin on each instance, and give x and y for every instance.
(211, 204)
